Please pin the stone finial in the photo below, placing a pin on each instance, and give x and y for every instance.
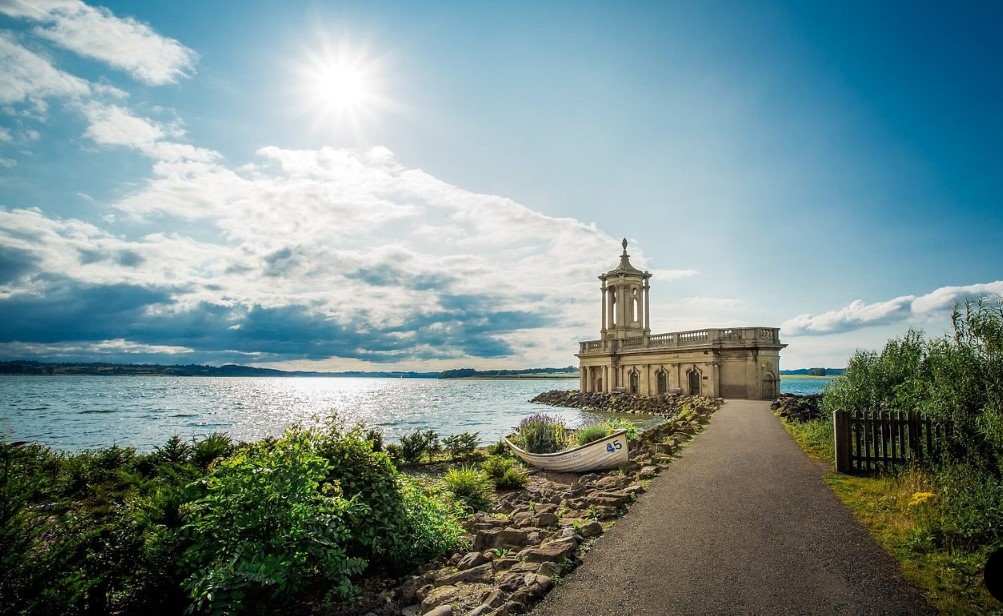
(624, 245)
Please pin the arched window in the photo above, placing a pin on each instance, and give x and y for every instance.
(663, 382)
(634, 381)
(693, 378)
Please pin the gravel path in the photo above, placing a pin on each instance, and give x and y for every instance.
(741, 523)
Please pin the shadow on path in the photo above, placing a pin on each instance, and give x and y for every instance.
(741, 523)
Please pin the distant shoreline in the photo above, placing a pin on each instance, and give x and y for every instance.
(799, 377)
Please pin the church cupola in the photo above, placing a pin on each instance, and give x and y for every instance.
(625, 300)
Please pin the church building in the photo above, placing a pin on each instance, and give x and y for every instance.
(737, 362)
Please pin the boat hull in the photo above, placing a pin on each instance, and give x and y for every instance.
(605, 453)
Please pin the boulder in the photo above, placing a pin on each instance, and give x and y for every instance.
(481, 574)
(553, 551)
(471, 560)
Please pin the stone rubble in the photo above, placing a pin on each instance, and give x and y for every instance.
(535, 534)
(666, 405)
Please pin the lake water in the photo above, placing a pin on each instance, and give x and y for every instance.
(80, 412)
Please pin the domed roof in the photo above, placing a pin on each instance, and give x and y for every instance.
(625, 267)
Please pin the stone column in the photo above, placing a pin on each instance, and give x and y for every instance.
(603, 308)
(647, 325)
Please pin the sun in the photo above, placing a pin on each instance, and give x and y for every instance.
(340, 87)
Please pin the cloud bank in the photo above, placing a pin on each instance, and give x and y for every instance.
(858, 314)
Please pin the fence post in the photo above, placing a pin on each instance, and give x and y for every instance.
(841, 434)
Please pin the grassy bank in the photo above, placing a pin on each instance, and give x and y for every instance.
(899, 510)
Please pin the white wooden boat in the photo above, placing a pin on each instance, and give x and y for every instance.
(605, 453)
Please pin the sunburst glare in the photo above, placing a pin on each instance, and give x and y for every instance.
(341, 88)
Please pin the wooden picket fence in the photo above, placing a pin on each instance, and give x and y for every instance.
(867, 441)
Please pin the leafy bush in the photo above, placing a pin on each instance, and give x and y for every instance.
(542, 433)
(463, 445)
(504, 472)
(267, 528)
(512, 479)
(211, 448)
(386, 526)
(591, 433)
(498, 448)
(618, 423)
(417, 444)
(112, 531)
(471, 486)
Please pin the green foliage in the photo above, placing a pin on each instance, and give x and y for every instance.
(498, 448)
(970, 504)
(388, 524)
(113, 531)
(175, 452)
(267, 528)
(504, 472)
(591, 433)
(415, 445)
(471, 486)
(211, 448)
(957, 381)
(619, 423)
(542, 433)
(462, 446)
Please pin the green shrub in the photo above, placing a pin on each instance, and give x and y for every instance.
(505, 473)
(175, 452)
(499, 448)
(495, 466)
(267, 529)
(415, 445)
(618, 423)
(463, 445)
(541, 433)
(211, 448)
(591, 433)
(384, 528)
(471, 486)
(971, 504)
(511, 479)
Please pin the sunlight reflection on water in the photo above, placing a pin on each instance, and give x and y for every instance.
(79, 412)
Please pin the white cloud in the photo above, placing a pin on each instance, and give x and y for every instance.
(107, 347)
(26, 77)
(97, 33)
(353, 236)
(115, 125)
(858, 314)
(944, 298)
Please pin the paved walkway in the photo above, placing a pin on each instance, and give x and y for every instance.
(741, 523)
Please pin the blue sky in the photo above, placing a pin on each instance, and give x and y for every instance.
(399, 185)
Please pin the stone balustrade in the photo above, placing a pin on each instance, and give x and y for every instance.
(743, 336)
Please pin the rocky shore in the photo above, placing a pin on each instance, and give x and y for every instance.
(794, 407)
(666, 405)
(534, 535)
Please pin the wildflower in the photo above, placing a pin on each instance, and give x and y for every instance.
(919, 498)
